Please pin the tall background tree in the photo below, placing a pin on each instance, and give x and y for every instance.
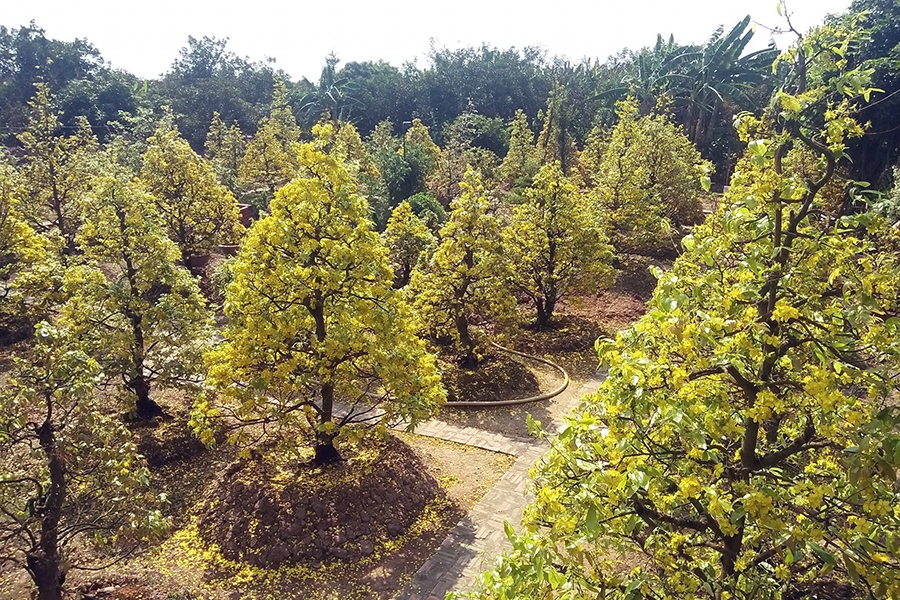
(878, 149)
(141, 316)
(207, 78)
(74, 71)
(556, 244)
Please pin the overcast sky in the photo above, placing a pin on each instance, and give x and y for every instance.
(144, 37)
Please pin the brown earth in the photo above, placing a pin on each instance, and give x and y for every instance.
(186, 566)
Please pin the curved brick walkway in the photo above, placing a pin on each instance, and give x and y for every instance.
(478, 539)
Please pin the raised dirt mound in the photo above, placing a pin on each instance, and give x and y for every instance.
(268, 514)
(498, 377)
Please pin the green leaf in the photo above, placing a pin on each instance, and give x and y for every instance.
(555, 578)
(591, 522)
(823, 555)
(851, 569)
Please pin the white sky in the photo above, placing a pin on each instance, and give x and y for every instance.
(144, 37)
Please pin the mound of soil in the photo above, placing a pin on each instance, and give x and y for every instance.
(634, 275)
(498, 377)
(268, 513)
(168, 438)
(168, 441)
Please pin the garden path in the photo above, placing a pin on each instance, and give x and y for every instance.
(474, 543)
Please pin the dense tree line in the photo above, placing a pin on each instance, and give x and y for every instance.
(708, 83)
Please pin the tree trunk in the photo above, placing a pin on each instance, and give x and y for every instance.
(145, 407)
(733, 546)
(543, 316)
(326, 453)
(43, 562)
(462, 329)
(46, 574)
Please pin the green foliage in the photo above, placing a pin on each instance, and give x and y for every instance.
(198, 211)
(875, 154)
(406, 237)
(491, 81)
(56, 172)
(224, 149)
(521, 162)
(465, 278)
(207, 78)
(69, 471)
(745, 441)
(332, 99)
(889, 204)
(313, 321)
(379, 90)
(269, 160)
(708, 84)
(555, 244)
(74, 70)
(491, 134)
(648, 180)
(29, 269)
(427, 208)
(404, 165)
(142, 317)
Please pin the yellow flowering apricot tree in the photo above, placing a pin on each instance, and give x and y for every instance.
(555, 244)
(57, 170)
(199, 212)
(648, 179)
(70, 471)
(465, 280)
(29, 269)
(141, 316)
(521, 162)
(224, 148)
(317, 337)
(269, 159)
(406, 237)
(746, 441)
